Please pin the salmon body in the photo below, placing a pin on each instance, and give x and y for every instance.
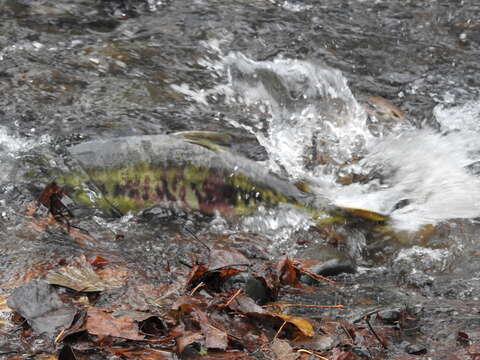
(135, 173)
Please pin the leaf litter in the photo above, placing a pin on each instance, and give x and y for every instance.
(227, 306)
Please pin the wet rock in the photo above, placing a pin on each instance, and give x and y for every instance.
(335, 267)
(415, 349)
(253, 287)
(334, 262)
(389, 316)
(40, 305)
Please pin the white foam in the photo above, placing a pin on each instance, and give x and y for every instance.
(463, 117)
(298, 107)
(425, 168)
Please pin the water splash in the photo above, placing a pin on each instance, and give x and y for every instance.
(424, 179)
(295, 108)
(312, 127)
(464, 117)
(11, 148)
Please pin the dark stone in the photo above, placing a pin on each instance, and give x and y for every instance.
(415, 349)
(253, 287)
(389, 317)
(40, 305)
(335, 267)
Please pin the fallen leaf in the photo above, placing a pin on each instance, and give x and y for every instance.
(300, 323)
(102, 323)
(225, 257)
(189, 337)
(214, 338)
(245, 305)
(80, 276)
(40, 305)
(282, 350)
(98, 261)
(76, 327)
(286, 272)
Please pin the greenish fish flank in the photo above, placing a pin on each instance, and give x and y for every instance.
(135, 173)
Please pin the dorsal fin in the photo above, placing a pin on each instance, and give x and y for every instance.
(208, 139)
(365, 214)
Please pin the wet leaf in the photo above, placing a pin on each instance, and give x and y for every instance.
(283, 351)
(76, 327)
(245, 305)
(153, 326)
(300, 323)
(286, 272)
(80, 276)
(214, 338)
(98, 261)
(102, 323)
(186, 339)
(225, 257)
(40, 305)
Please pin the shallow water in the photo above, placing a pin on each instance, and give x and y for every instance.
(294, 79)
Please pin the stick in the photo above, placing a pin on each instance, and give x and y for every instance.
(196, 238)
(317, 277)
(196, 288)
(367, 320)
(233, 297)
(280, 329)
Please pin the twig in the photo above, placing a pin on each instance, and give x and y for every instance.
(312, 353)
(317, 277)
(367, 320)
(280, 329)
(202, 284)
(348, 333)
(184, 263)
(196, 238)
(233, 297)
(60, 334)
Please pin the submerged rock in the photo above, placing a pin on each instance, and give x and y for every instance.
(40, 305)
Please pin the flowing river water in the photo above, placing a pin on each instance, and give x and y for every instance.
(375, 103)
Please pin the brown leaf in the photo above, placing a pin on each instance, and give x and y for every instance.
(98, 261)
(225, 257)
(198, 270)
(214, 338)
(104, 324)
(245, 305)
(283, 351)
(186, 339)
(286, 272)
(80, 276)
